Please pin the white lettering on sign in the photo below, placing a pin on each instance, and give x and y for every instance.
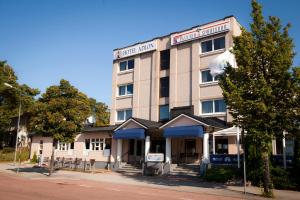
(155, 157)
(136, 49)
(202, 31)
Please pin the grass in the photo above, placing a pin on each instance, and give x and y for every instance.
(7, 154)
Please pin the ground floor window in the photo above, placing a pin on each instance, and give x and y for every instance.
(63, 146)
(221, 145)
(95, 144)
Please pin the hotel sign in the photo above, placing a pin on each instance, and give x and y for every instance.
(155, 157)
(136, 49)
(200, 32)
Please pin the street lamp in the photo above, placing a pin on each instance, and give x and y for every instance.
(18, 126)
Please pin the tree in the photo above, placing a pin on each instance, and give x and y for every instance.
(100, 111)
(259, 93)
(11, 97)
(60, 113)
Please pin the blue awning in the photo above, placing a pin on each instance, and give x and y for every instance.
(132, 133)
(183, 131)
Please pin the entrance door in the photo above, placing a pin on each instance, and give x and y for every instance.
(135, 151)
(190, 151)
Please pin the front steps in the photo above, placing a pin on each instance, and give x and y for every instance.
(185, 170)
(130, 169)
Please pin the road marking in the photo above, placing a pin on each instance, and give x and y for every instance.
(113, 189)
(87, 186)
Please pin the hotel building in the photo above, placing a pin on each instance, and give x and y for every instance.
(167, 108)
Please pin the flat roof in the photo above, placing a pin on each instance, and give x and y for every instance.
(159, 37)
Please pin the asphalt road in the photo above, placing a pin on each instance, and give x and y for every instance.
(14, 187)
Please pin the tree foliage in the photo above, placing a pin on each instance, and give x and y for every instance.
(60, 112)
(259, 93)
(11, 97)
(100, 111)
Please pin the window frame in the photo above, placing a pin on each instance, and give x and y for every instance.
(214, 109)
(159, 112)
(214, 80)
(63, 146)
(125, 114)
(213, 46)
(95, 144)
(166, 53)
(126, 68)
(161, 88)
(126, 90)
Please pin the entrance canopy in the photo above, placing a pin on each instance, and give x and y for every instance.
(183, 131)
(131, 133)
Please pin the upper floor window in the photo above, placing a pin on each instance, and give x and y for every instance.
(213, 106)
(164, 87)
(206, 77)
(164, 113)
(213, 45)
(123, 115)
(165, 59)
(125, 90)
(126, 65)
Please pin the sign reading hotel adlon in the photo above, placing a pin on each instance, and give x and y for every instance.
(136, 49)
(200, 32)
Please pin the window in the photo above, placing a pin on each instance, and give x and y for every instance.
(123, 115)
(126, 65)
(164, 113)
(213, 45)
(126, 90)
(206, 77)
(95, 144)
(165, 59)
(63, 146)
(164, 87)
(219, 43)
(221, 146)
(213, 106)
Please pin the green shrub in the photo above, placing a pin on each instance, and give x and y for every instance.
(282, 179)
(34, 158)
(8, 154)
(222, 174)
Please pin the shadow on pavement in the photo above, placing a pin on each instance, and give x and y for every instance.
(175, 180)
(38, 170)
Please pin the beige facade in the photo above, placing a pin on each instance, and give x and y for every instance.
(185, 87)
(43, 146)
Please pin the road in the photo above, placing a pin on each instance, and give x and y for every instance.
(14, 187)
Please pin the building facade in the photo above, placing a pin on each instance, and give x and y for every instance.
(167, 81)
(167, 107)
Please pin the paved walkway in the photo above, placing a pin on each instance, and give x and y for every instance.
(179, 184)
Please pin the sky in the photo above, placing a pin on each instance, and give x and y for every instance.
(47, 40)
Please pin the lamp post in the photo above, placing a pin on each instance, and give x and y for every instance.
(18, 126)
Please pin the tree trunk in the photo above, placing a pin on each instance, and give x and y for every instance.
(51, 162)
(267, 184)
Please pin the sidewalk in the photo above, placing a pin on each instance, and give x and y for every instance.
(194, 185)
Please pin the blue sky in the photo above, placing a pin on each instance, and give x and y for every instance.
(73, 39)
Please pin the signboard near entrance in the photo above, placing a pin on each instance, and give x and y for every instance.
(155, 157)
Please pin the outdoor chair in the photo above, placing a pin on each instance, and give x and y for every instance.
(45, 161)
(91, 165)
(68, 162)
(77, 163)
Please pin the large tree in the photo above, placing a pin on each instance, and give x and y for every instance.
(60, 113)
(259, 93)
(10, 99)
(100, 111)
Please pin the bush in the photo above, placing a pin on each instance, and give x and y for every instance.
(8, 154)
(34, 158)
(222, 174)
(282, 179)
